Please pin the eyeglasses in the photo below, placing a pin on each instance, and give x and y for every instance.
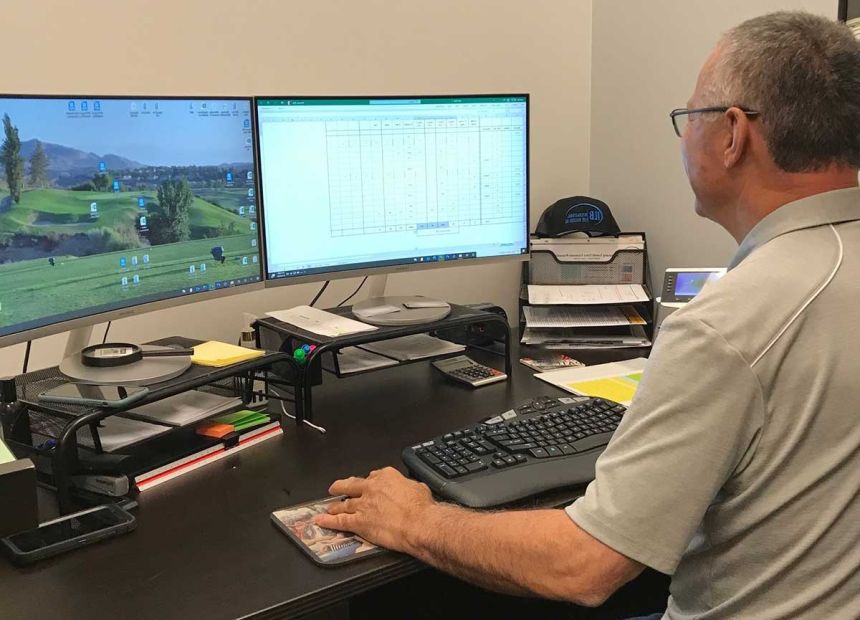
(680, 116)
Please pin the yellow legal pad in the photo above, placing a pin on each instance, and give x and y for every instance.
(218, 354)
(620, 389)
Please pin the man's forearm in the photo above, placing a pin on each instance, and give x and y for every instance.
(521, 552)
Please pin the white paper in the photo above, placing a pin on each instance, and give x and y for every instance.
(572, 337)
(185, 408)
(563, 376)
(414, 347)
(353, 359)
(320, 322)
(585, 294)
(116, 433)
(564, 316)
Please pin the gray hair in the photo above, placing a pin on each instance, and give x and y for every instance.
(802, 73)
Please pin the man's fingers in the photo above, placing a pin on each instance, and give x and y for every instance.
(336, 508)
(335, 522)
(351, 486)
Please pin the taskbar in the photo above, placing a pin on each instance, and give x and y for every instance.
(432, 258)
(221, 284)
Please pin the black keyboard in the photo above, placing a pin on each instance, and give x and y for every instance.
(545, 444)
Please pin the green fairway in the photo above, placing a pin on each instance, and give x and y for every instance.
(46, 211)
(226, 197)
(33, 288)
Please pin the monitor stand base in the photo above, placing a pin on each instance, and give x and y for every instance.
(393, 311)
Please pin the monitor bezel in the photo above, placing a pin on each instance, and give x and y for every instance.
(161, 304)
(361, 271)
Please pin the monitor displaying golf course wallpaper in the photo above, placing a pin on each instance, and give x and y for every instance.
(107, 203)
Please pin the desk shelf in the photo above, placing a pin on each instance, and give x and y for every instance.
(57, 453)
(273, 334)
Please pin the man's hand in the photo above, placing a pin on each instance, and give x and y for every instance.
(382, 508)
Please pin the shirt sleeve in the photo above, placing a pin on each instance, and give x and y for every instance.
(696, 412)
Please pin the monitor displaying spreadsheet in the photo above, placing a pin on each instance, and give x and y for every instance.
(360, 183)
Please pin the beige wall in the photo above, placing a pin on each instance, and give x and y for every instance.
(646, 57)
(320, 47)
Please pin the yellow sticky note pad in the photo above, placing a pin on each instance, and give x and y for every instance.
(217, 354)
(620, 389)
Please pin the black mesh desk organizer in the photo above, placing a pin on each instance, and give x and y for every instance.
(461, 325)
(57, 453)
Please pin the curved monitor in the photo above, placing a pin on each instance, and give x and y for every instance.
(113, 206)
(357, 184)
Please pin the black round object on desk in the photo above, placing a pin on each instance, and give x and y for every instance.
(114, 354)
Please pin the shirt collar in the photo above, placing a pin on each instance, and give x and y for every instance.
(833, 207)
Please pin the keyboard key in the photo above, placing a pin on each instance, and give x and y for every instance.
(476, 466)
(461, 470)
(520, 458)
(594, 441)
(539, 453)
(448, 472)
(553, 451)
(522, 447)
(499, 464)
(567, 449)
(510, 460)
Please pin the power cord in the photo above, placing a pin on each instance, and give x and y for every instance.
(354, 293)
(107, 329)
(280, 396)
(26, 357)
(319, 293)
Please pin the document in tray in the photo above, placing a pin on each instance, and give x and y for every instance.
(116, 433)
(554, 316)
(547, 294)
(185, 408)
(320, 322)
(588, 249)
(616, 381)
(573, 338)
(353, 359)
(414, 347)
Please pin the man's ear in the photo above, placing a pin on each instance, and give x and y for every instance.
(738, 138)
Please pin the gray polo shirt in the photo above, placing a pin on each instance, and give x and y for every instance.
(737, 466)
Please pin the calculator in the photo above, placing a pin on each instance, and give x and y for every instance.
(467, 370)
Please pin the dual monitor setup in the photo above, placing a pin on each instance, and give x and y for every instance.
(113, 206)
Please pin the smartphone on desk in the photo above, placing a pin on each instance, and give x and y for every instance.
(67, 533)
(91, 395)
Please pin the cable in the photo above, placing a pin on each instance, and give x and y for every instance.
(808, 301)
(26, 357)
(354, 293)
(107, 329)
(319, 293)
(291, 416)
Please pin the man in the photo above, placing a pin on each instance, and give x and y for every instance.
(737, 467)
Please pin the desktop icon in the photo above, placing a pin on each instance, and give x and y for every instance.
(202, 267)
(133, 106)
(253, 226)
(246, 123)
(134, 261)
(102, 166)
(94, 210)
(229, 177)
(250, 192)
(84, 106)
(71, 106)
(143, 221)
(242, 211)
(254, 259)
(192, 269)
(124, 281)
(253, 243)
(136, 279)
(244, 260)
(97, 106)
(141, 202)
(250, 175)
(123, 261)
(252, 209)
(146, 259)
(115, 185)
